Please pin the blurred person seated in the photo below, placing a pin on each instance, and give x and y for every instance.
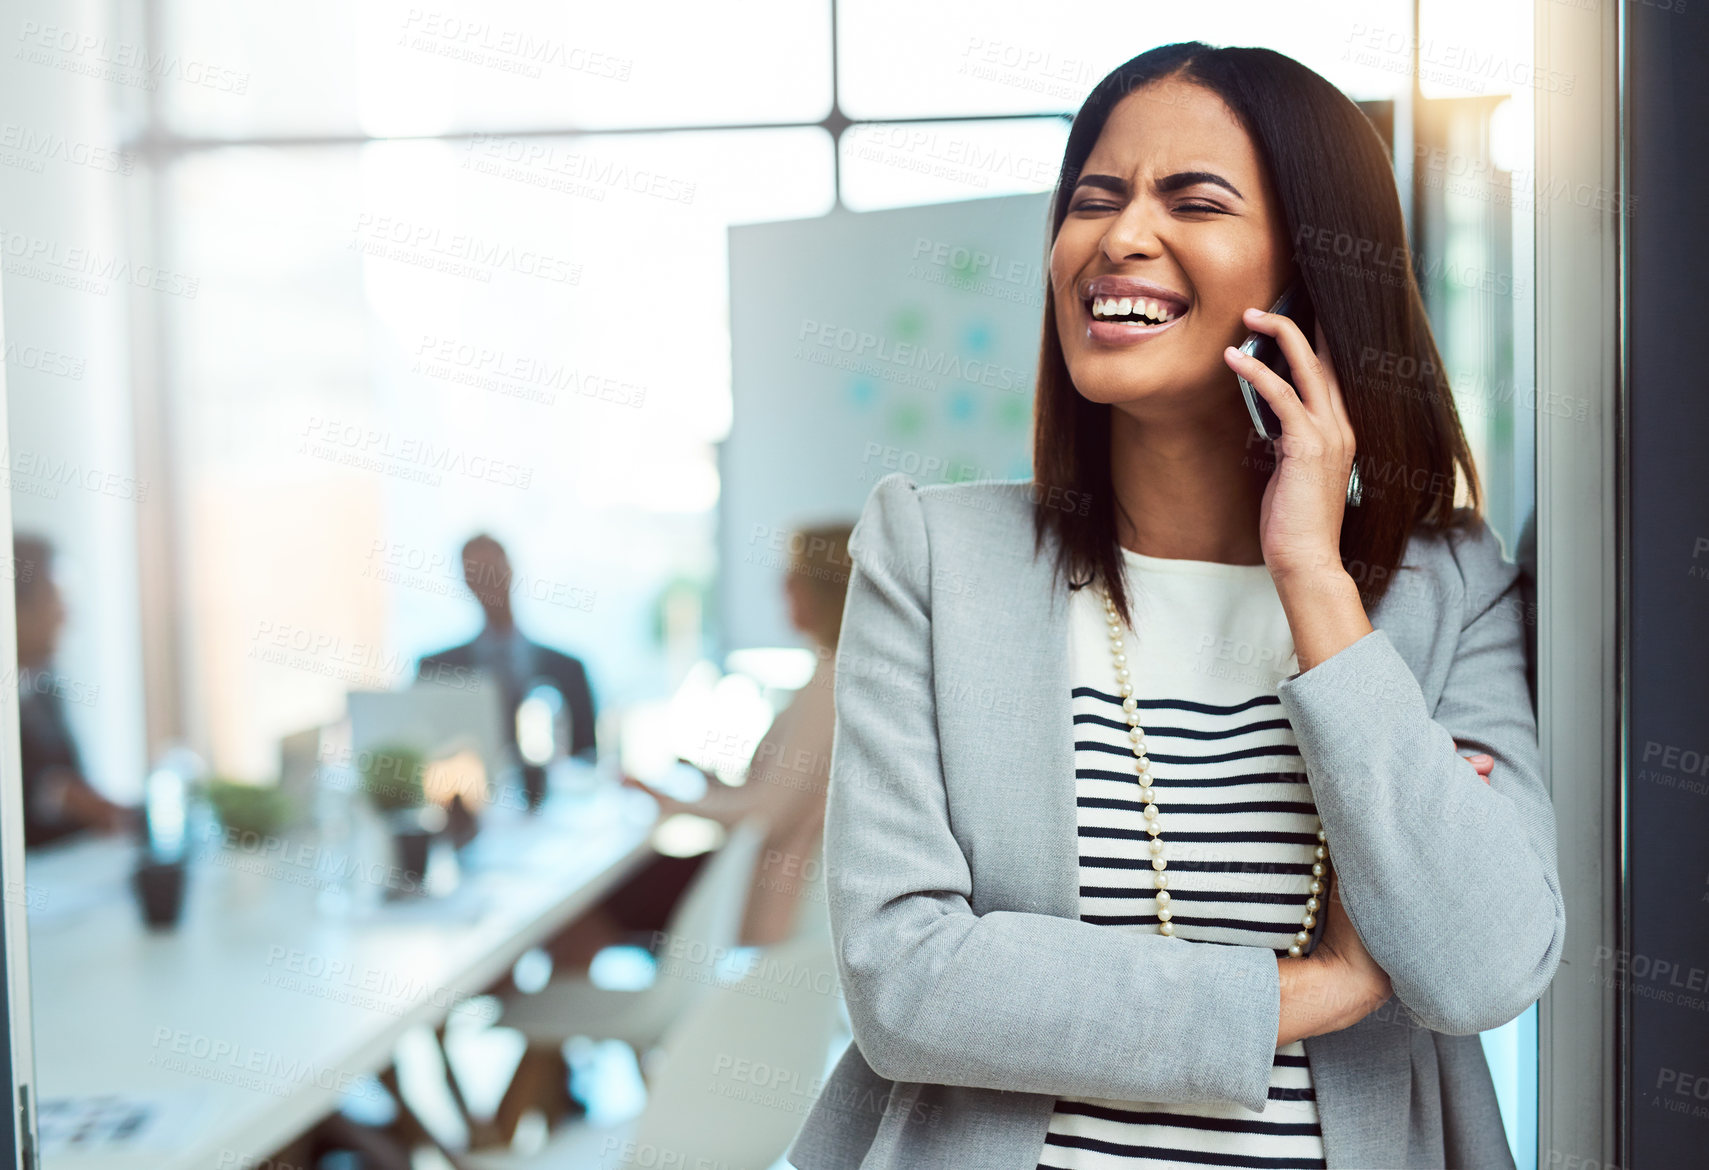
(58, 800)
(789, 769)
(512, 659)
(786, 783)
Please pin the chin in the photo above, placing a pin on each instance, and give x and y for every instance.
(1116, 381)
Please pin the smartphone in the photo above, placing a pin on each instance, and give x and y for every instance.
(1294, 303)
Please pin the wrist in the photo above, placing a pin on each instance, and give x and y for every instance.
(1324, 575)
(1325, 613)
(1350, 989)
(1298, 981)
(1320, 993)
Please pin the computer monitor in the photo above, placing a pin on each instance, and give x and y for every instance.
(442, 722)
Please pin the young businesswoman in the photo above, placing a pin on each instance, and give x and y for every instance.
(1102, 734)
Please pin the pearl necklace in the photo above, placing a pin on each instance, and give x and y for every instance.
(1147, 793)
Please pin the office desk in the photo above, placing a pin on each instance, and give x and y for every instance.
(259, 1008)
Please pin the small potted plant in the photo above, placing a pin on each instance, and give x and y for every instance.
(392, 781)
(259, 810)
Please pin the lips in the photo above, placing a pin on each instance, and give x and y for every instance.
(1121, 310)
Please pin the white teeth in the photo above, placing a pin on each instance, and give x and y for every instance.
(1128, 306)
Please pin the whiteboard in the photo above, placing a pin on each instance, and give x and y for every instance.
(864, 343)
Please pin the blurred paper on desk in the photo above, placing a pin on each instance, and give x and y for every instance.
(116, 1123)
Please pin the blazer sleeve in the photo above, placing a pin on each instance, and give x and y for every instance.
(1451, 883)
(1009, 1000)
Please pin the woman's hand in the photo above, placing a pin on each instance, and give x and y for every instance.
(1334, 987)
(667, 804)
(1299, 522)
(1482, 763)
(1366, 984)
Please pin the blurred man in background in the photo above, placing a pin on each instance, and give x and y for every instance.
(513, 660)
(58, 800)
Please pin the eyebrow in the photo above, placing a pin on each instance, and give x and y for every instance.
(1166, 184)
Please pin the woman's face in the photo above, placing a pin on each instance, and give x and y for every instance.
(1173, 206)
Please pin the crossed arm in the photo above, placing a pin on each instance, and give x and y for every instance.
(1446, 864)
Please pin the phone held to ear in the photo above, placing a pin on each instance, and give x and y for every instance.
(1295, 304)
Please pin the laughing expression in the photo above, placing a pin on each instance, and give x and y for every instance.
(1173, 231)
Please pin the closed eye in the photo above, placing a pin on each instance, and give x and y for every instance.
(1094, 205)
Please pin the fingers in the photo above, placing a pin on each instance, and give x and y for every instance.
(1290, 411)
(1308, 369)
(1315, 389)
(1314, 373)
(1482, 762)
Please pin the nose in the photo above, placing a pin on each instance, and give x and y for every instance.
(1132, 234)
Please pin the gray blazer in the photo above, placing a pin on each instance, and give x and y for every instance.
(976, 993)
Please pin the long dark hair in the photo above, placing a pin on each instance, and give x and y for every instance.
(1332, 175)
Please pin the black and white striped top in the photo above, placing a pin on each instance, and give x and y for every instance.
(1239, 829)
